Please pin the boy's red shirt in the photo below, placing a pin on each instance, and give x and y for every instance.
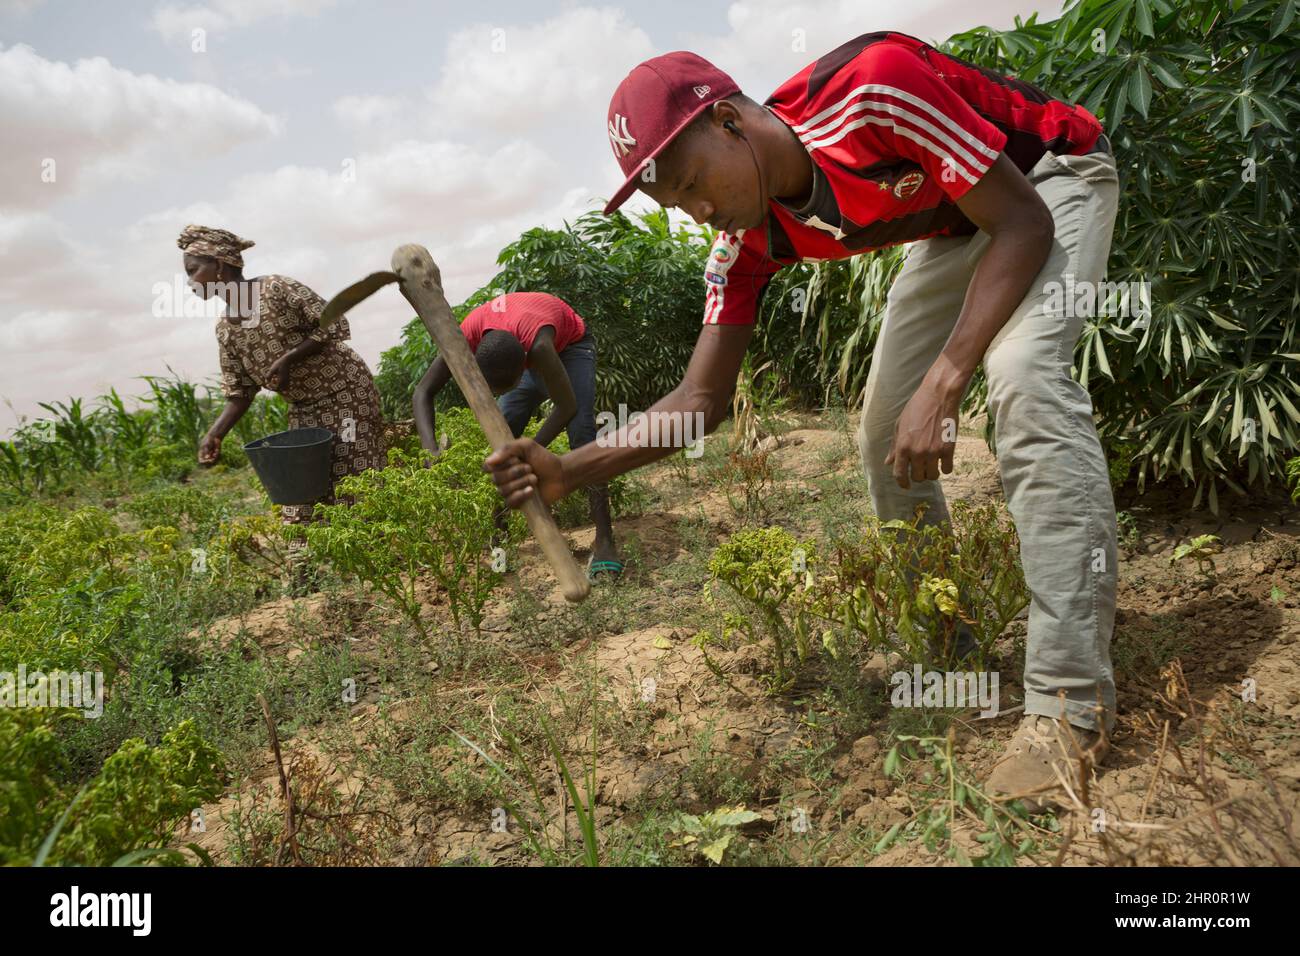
(523, 315)
(897, 133)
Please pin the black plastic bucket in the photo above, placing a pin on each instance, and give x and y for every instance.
(294, 466)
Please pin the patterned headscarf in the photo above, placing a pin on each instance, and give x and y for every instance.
(220, 244)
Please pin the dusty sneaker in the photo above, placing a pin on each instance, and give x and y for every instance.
(1027, 769)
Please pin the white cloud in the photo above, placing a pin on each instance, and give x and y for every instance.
(369, 116)
(77, 316)
(549, 83)
(277, 70)
(175, 22)
(771, 40)
(411, 184)
(19, 7)
(33, 249)
(101, 124)
(521, 78)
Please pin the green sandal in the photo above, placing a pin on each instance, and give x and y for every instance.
(596, 568)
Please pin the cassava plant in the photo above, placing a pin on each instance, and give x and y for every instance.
(1199, 100)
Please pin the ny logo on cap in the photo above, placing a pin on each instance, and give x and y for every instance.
(701, 91)
(619, 137)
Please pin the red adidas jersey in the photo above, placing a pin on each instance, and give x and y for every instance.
(897, 132)
(523, 315)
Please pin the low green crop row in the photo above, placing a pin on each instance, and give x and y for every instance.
(897, 587)
(135, 801)
(130, 591)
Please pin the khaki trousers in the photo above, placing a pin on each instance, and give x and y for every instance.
(1053, 470)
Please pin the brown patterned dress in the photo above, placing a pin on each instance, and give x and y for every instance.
(332, 389)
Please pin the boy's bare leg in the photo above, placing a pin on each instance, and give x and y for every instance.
(603, 549)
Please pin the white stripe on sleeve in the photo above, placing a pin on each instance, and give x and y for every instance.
(906, 97)
(819, 136)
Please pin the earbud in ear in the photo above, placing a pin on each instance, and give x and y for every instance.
(730, 127)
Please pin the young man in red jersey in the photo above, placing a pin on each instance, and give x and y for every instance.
(532, 346)
(1002, 192)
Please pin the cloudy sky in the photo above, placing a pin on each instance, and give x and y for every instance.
(329, 132)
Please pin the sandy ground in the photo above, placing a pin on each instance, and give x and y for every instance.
(1196, 775)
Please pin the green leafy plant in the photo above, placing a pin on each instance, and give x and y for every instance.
(947, 796)
(898, 587)
(1130, 536)
(911, 589)
(71, 584)
(824, 357)
(197, 512)
(128, 811)
(1201, 549)
(155, 440)
(248, 549)
(710, 834)
(179, 414)
(76, 432)
(131, 431)
(415, 518)
(761, 570)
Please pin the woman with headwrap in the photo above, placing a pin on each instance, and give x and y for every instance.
(271, 338)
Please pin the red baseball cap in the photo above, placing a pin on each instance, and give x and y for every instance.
(654, 103)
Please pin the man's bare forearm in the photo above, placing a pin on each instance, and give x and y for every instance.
(425, 420)
(548, 364)
(595, 463)
(422, 403)
(522, 467)
(553, 425)
(1001, 280)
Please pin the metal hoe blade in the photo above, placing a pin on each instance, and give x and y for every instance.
(353, 295)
